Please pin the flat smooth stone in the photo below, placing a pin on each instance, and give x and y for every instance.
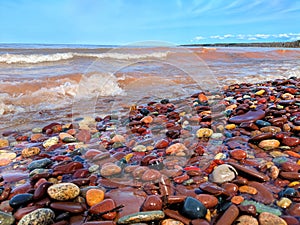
(142, 217)
(250, 116)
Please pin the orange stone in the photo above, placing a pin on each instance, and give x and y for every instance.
(202, 97)
(248, 189)
(147, 119)
(4, 161)
(94, 196)
(237, 199)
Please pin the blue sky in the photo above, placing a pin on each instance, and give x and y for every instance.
(127, 21)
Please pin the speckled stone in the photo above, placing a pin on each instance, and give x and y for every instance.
(171, 222)
(4, 143)
(31, 151)
(63, 191)
(6, 218)
(266, 218)
(204, 133)
(223, 173)
(141, 217)
(41, 216)
(247, 220)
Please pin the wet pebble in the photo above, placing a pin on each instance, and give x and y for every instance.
(246, 220)
(269, 144)
(193, 208)
(31, 151)
(110, 169)
(141, 217)
(103, 206)
(284, 202)
(266, 218)
(4, 143)
(152, 202)
(270, 129)
(238, 154)
(209, 201)
(20, 199)
(7, 155)
(51, 141)
(250, 116)
(176, 149)
(43, 216)
(151, 175)
(204, 133)
(72, 207)
(41, 163)
(94, 196)
(139, 148)
(83, 135)
(63, 191)
(6, 218)
(171, 222)
(223, 173)
(294, 209)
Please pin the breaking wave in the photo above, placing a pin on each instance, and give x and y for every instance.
(10, 58)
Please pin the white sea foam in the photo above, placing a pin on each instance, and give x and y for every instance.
(39, 58)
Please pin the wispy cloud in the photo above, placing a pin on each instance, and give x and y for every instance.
(251, 37)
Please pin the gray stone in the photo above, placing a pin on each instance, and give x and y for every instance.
(223, 173)
(6, 218)
(41, 163)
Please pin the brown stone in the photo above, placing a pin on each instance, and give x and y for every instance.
(250, 116)
(105, 205)
(209, 201)
(152, 202)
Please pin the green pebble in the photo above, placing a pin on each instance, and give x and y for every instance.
(262, 208)
(69, 139)
(117, 145)
(141, 217)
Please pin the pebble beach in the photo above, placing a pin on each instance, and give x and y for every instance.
(205, 156)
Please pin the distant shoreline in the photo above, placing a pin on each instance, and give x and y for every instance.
(293, 44)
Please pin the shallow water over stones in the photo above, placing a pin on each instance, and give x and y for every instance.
(165, 162)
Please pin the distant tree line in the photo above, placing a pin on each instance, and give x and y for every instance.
(292, 44)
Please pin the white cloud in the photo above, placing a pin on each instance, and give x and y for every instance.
(263, 36)
(252, 37)
(199, 38)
